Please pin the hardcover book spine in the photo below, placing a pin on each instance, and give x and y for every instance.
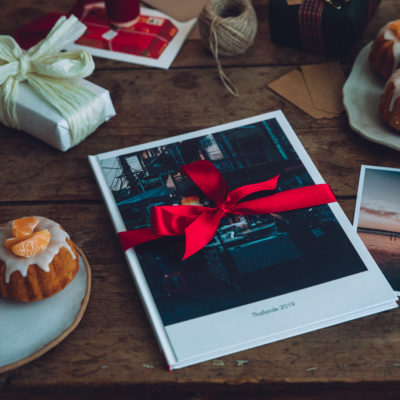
(136, 270)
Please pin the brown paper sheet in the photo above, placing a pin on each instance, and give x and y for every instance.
(293, 2)
(325, 83)
(293, 88)
(182, 10)
(315, 89)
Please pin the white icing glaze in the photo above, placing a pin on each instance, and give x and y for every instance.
(395, 78)
(388, 34)
(43, 259)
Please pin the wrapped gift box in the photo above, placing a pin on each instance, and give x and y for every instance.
(319, 26)
(45, 94)
(42, 120)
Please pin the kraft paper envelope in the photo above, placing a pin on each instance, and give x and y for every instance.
(182, 10)
(315, 89)
(325, 83)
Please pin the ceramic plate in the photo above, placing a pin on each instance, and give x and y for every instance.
(361, 94)
(28, 330)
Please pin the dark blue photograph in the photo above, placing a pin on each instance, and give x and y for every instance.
(251, 257)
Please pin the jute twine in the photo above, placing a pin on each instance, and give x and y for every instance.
(228, 28)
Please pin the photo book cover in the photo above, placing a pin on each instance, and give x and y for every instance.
(251, 258)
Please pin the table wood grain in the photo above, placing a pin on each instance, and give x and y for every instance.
(113, 353)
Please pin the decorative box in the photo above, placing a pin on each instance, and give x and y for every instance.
(43, 90)
(329, 27)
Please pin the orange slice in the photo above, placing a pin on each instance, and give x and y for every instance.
(8, 243)
(32, 245)
(395, 27)
(23, 227)
(191, 201)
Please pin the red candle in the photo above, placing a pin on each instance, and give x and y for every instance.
(122, 13)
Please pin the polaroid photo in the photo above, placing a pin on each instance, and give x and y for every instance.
(377, 218)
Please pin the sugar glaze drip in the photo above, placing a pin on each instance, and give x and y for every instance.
(395, 79)
(43, 259)
(388, 34)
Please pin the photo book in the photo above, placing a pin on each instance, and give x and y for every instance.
(377, 218)
(247, 270)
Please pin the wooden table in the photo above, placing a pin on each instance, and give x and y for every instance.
(112, 353)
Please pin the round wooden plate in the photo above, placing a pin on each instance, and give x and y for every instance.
(59, 324)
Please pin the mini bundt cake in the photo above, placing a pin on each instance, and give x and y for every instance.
(385, 52)
(37, 259)
(389, 105)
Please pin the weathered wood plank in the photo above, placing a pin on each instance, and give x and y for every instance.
(193, 53)
(114, 344)
(154, 104)
(215, 392)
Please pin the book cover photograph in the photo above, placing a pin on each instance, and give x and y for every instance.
(257, 276)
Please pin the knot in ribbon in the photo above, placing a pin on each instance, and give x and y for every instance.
(199, 224)
(24, 67)
(52, 75)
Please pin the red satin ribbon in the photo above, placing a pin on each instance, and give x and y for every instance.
(199, 223)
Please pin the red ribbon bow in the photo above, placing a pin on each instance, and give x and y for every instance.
(199, 223)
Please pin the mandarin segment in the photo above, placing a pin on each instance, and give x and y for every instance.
(32, 245)
(8, 243)
(395, 27)
(23, 227)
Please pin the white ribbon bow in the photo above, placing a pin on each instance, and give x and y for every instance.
(52, 75)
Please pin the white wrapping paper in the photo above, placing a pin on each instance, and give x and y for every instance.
(42, 90)
(44, 122)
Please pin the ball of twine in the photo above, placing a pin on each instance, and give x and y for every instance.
(228, 28)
